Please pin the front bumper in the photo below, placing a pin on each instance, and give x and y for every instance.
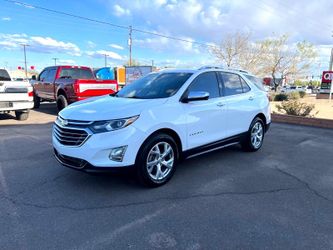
(94, 152)
(82, 165)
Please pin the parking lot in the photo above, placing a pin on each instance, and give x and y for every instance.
(280, 197)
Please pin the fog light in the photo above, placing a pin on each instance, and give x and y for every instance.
(118, 153)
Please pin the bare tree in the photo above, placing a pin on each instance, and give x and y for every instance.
(286, 60)
(273, 56)
(231, 48)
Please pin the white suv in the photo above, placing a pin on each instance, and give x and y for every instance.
(161, 118)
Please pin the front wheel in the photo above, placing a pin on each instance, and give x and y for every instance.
(255, 136)
(156, 161)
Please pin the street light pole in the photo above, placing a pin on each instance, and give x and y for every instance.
(331, 68)
(25, 60)
(130, 45)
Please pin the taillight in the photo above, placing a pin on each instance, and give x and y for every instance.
(31, 94)
(76, 87)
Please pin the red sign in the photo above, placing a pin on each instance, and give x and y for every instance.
(32, 67)
(19, 67)
(327, 77)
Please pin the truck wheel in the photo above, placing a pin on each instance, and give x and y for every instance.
(36, 101)
(22, 115)
(61, 102)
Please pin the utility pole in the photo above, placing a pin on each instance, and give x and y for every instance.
(130, 45)
(152, 63)
(55, 61)
(25, 59)
(105, 60)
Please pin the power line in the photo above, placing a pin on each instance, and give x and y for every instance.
(108, 23)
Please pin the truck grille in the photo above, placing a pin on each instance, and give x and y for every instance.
(70, 137)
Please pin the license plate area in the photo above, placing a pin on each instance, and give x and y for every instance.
(6, 104)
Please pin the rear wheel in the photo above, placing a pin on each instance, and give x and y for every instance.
(22, 115)
(156, 162)
(61, 102)
(255, 136)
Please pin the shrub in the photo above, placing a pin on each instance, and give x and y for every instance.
(302, 94)
(294, 95)
(280, 97)
(295, 107)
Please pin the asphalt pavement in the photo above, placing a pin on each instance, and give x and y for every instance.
(278, 198)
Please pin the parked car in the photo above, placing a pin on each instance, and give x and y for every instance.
(161, 118)
(68, 84)
(15, 96)
(289, 89)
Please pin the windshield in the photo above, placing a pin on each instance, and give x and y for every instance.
(259, 83)
(155, 85)
(4, 76)
(76, 73)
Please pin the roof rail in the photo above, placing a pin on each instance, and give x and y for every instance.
(240, 70)
(210, 67)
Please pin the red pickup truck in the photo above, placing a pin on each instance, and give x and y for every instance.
(68, 84)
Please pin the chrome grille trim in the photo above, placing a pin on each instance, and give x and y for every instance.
(69, 136)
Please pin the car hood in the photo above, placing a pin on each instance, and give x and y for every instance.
(107, 108)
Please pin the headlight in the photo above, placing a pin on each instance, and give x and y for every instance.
(106, 126)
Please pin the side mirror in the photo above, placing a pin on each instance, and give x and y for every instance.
(33, 77)
(196, 96)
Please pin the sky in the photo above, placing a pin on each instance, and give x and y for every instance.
(81, 42)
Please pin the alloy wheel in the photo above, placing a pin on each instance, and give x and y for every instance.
(160, 161)
(257, 134)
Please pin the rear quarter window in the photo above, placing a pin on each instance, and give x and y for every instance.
(256, 81)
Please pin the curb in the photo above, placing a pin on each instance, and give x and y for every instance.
(299, 120)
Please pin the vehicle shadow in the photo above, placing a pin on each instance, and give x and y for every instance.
(49, 108)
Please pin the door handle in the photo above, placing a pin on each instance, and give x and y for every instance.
(251, 98)
(220, 104)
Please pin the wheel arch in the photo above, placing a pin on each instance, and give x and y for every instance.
(61, 91)
(169, 132)
(263, 118)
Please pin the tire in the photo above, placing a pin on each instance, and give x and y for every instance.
(154, 175)
(255, 136)
(22, 115)
(36, 101)
(61, 102)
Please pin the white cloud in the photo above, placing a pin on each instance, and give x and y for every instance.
(28, 6)
(102, 53)
(164, 44)
(66, 62)
(50, 45)
(6, 19)
(120, 11)
(116, 46)
(91, 44)
(209, 21)
(38, 44)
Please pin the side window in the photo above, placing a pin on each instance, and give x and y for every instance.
(246, 87)
(43, 75)
(206, 82)
(51, 75)
(232, 84)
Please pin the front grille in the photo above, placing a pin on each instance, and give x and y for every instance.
(70, 161)
(69, 136)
